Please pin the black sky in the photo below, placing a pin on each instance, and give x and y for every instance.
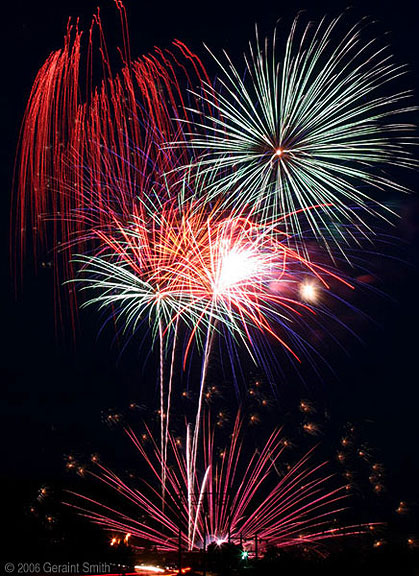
(53, 393)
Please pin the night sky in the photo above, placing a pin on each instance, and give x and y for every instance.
(54, 391)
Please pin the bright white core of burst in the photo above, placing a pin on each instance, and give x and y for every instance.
(220, 541)
(236, 267)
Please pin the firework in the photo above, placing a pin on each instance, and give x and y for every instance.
(191, 267)
(312, 123)
(230, 496)
(197, 265)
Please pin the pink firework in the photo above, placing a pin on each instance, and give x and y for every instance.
(232, 496)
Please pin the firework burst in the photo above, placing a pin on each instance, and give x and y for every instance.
(201, 266)
(314, 124)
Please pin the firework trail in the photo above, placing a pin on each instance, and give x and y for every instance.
(231, 496)
(313, 121)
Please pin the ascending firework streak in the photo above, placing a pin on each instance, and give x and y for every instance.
(207, 271)
(313, 126)
(232, 497)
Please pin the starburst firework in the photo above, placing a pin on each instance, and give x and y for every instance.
(314, 124)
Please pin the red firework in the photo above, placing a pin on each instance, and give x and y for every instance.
(87, 147)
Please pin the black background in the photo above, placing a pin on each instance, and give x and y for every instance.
(53, 391)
